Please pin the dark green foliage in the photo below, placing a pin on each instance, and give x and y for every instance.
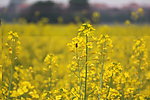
(47, 9)
(79, 5)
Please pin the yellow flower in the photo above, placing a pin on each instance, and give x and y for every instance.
(34, 94)
(58, 97)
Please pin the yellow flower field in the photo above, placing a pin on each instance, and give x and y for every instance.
(74, 62)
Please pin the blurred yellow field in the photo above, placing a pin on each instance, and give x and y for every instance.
(74, 62)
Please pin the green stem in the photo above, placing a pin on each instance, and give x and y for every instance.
(102, 69)
(139, 76)
(50, 82)
(86, 70)
(101, 74)
(79, 76)
(12, 70)
(11, 77)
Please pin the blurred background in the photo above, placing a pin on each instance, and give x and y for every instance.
(75, 11)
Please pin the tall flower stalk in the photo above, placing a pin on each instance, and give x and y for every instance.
(86, 70)
(104, 49)
(139, 64)
(13, 45)
(76, 46)
(80, 45)
(49, 71)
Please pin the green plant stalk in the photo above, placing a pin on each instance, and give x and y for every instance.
(101, 74)
(10, 81)
(110, 83)
(11, 70)
(97, 82)
(139, 75)
(50, 82)
(86, 70)
(101, 78)
(79, 76)
(102, 70)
